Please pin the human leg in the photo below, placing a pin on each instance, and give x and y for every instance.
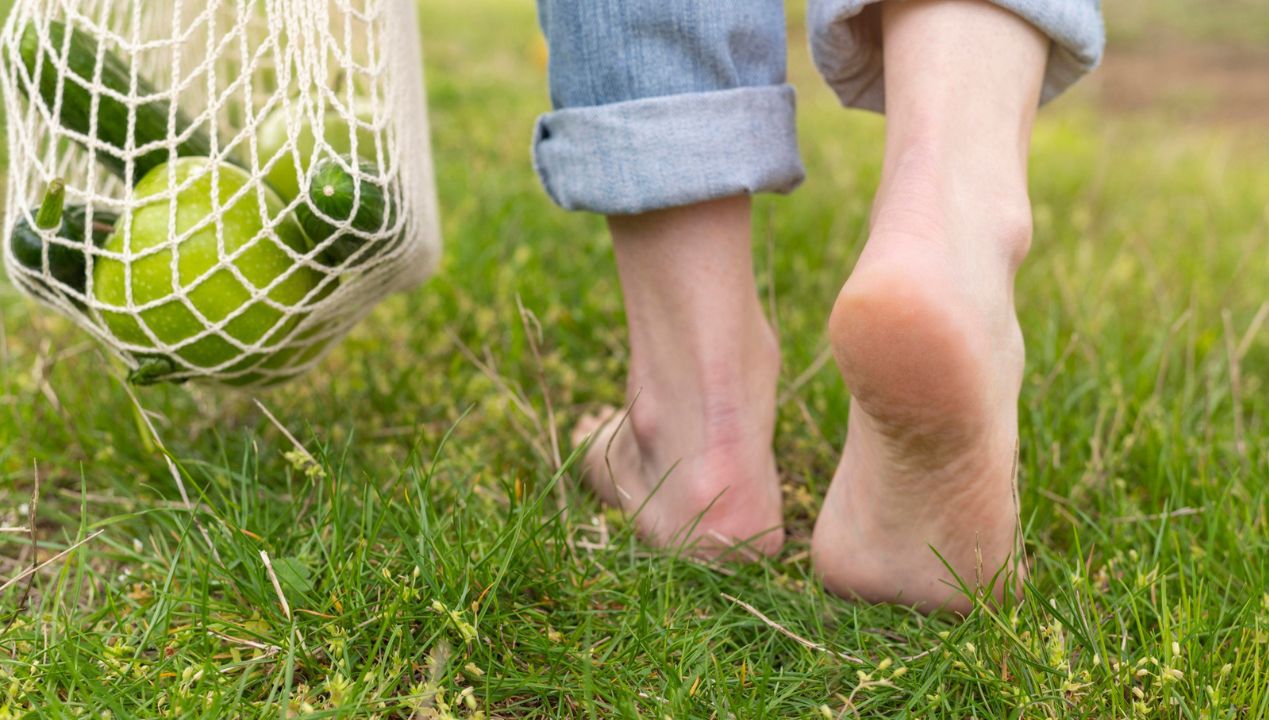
(924, 331)
(669, 114)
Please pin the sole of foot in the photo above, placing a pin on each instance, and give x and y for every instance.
(924, 498)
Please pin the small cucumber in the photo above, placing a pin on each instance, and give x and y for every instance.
(152, 370)
(338, 200)
(66, 263)
(80, 52)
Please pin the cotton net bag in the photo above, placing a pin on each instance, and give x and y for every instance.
(220, 189)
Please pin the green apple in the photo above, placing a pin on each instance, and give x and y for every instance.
(217, 295)
(272, 135)
(283, 364)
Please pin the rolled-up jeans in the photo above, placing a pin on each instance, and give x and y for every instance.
(662, 103)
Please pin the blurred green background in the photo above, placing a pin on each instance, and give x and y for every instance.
(1144, 465)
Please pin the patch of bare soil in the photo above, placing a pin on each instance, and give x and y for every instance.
(1201, 83)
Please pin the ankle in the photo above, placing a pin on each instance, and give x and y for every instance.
(945, 191)
(705, 395)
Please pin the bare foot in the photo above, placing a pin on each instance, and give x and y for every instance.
(926, 338)
(692, 460)
(707, 483)
(924, 330)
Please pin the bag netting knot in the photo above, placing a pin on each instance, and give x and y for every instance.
(220, 189)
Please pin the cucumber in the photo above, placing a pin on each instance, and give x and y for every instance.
(333, 196)
(274, 143)
(80, 51)
(66, 264)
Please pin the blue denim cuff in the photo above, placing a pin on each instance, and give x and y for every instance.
(855, 73)
(640, 155)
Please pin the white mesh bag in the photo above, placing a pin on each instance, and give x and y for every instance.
(217, 189)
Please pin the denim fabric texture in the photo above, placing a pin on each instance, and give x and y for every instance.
(854, 71)
(661, 103)
(665, 102)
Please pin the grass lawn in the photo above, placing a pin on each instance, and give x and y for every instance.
(439, 559)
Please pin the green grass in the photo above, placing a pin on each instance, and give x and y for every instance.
(427, 554)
